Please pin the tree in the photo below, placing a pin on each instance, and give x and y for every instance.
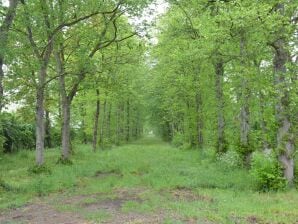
(4, 30)
(285, 136)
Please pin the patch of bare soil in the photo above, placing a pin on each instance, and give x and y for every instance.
(113, 207)
(39, 213)
(45, 212)
(135, 218)
(185, 194)
(254, 220)
(250, 219)
(103, 174)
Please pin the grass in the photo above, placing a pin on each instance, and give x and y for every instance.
(190, 184)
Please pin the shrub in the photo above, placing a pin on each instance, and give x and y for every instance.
(2, 140)
(15, 135)
(63, 161)
(7, 187)
(39, 170)
(178, 140)
(267, 172)
(230, 159)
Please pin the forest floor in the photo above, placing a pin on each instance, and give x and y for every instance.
(147, 181)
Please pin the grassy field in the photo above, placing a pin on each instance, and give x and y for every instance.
(144, 182)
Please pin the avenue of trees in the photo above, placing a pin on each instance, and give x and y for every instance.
(225, 77)
(74, 70)
(222, 77)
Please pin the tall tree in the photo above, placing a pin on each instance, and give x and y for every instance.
(4, 30)
(285, 136)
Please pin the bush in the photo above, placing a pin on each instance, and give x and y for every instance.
(55, 136)
(2, 140)
(230, 159)
(7, 187)
(63, 161)
(15, 135)
(178, 140)
(267, 172)
(39, 170)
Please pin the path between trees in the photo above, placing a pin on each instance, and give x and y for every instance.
(147, 181)
(80, 209)
(62, 208)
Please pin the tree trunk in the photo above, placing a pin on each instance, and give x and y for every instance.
(83, 126)
(285, 137)
(96, 121)
(127, 120)
(102, 127)
(200, 140)
(65, 108)
(48, 142)
(263, 124)
(121, 123)
(244, 102)
(109, 122)
(1, 82)
(219, 74)
(40, 116)
(244, 120)
(66, 149)
(4, 29)
(117, 137)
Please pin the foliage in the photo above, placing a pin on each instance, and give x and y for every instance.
(213, 81)
(186, 183)
(4, 186)
(267, 172)
(178, 140)
(230, 159)
(16, 135)
(39, 170)
(218, 78)
(64, 161)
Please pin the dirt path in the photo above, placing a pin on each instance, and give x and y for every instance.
(40, 213)
(85, 209)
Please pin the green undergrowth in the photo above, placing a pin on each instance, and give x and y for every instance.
(214, 191)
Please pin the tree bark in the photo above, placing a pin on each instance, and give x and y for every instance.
(66, 149)
(1, 82)
(127, 120)
(109, 121)
(96, 121)
(244, 102)
(83, 126)
(65, 106)
(285, 137)
(263, 124)
(103, 125)
(40, 129)
(121, 123)
(48, 142)
(219, 74)
(200, 123)
(4, 30)
(117, 139)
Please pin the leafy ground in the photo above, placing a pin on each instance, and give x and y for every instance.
(145, 182)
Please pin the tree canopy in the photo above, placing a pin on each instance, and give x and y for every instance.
(222, 76)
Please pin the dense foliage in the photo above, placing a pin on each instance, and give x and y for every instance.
(222, 77)
(80, 65)
(15, 134)
(225, 77)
